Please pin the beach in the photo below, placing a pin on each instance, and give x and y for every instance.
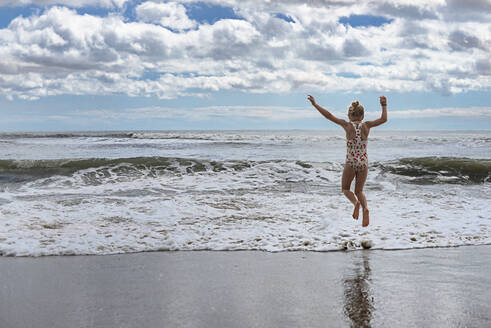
(431, 287)
(245, 164)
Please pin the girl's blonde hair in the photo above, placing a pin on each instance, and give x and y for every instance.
(356, 109)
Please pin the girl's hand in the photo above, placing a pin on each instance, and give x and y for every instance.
(311, 99)
(383, 101)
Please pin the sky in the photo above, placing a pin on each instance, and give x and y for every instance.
(242, 64)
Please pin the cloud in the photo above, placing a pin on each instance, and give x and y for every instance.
(69, 3)
(61, 51)
(171, 14)
(413, 9)
(470, 5)
(459, 40)
(161, 52)
(483, 66)
(484, 112)
(354, 48)
(477, 10)
(270, 113)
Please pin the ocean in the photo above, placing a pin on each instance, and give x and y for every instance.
(74, 193)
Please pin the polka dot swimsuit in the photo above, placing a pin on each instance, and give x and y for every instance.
(356, 152)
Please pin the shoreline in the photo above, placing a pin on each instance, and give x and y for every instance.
(437, 287)
(371, 249)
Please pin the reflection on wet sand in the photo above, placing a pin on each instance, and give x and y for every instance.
(358, 299)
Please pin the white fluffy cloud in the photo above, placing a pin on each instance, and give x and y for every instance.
(169, 14)
(71, 3)
(165, 53)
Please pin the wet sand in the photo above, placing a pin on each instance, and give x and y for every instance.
(445, 287)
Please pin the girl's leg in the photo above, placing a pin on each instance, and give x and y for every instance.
(361, 178)
(348, 176)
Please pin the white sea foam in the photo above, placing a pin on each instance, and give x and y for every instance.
(271, 206)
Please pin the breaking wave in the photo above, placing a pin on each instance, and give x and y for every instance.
(429, 170)
(422, 170)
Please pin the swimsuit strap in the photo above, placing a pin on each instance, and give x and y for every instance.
(357, 126)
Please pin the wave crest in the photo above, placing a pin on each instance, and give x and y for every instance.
(427, 170)
(422, 170)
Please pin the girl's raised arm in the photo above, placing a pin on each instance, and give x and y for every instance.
(383, 117)
(326, 113)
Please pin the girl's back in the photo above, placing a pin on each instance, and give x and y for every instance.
(351, 131)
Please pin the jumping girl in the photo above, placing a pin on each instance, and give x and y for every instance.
(356, 154)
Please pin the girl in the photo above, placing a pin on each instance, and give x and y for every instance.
(356, 155)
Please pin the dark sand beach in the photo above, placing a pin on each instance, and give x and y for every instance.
(433, 287)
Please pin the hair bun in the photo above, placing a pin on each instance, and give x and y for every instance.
(356, 109)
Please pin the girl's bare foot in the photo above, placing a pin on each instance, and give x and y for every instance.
(356, 211)
(366, 217)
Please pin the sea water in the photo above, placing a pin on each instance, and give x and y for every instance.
(132, 191)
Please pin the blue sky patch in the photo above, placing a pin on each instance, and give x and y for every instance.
(129, 11)
(286, 18)
(149, 75)
(348, 75)
(208, 13)
(7, 14)
(364, 20)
